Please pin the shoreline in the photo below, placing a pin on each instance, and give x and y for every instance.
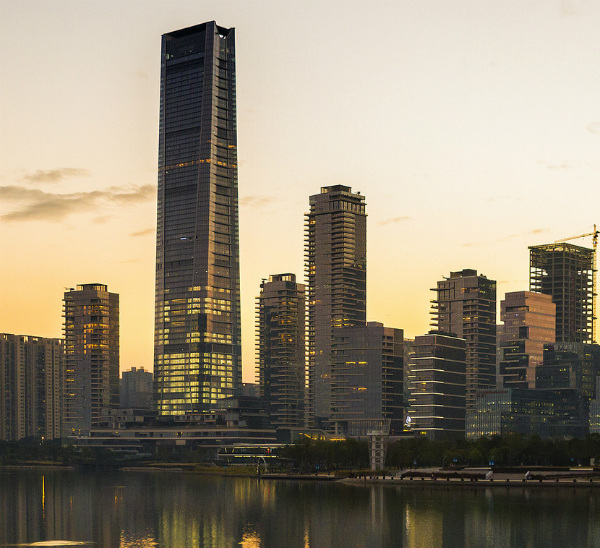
(414, 478)
(558, 483)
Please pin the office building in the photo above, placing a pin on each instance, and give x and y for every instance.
(529, 321)
(438, 386)
(31, 387)
(91, 329)
(545, 413)
(566, 273)
(197, 352)
(136, 388)
(367, 394)
(465, 305)
(336, 261)
(280, 315)
(570, 366)
(595, 410)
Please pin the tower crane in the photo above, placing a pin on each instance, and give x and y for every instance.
(594, 236)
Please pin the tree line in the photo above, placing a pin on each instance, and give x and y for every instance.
(352, 454)
(508, 450)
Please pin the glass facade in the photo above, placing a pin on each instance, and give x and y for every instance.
(438, 386)
(546, 413)
(529, 321)
(368, 387)
(197, 355)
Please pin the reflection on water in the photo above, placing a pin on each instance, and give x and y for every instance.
(171, 510)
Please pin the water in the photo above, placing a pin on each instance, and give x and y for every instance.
(177, 510)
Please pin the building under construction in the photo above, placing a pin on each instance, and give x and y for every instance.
(567, 273)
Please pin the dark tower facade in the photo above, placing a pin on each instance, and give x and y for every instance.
(197, 352)
(438, 386)
(465, 307)
(280, 314)
(336, 268)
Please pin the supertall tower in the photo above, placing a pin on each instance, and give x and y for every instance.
(197, 353)
(336, 265)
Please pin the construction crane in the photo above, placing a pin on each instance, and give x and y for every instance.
(594, 236)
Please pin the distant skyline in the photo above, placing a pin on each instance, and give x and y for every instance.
(472, 128)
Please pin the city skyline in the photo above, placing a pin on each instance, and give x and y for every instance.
(470, 146)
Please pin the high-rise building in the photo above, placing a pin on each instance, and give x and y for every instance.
(91, 329)
(31, 387)
(280, 315)
(465, 306)
(197, 352)
(336, 268)
(367, 394)
(566, 273)
(529, 321)
(136, 388)
(438, 386)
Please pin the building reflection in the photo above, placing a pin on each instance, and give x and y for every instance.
(151, 510)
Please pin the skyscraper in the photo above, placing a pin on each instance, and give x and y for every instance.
(566, 272)
(31, 387)
(438, 386)
(280, 314)
(465, 306)
(197, 355)
(529, 323)
(367, 393)
(336, 265)
(91, 327)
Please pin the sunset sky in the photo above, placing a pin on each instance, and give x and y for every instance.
(472, 128)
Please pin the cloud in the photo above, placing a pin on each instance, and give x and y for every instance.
(144, 232)
(564, 165)
(594, 127)
(507, 238)
(135, 195)
(101, 219)
(55, 175)
(395, 220)
(567, 9)
(256, 201)
(48, 206)
(505, 197)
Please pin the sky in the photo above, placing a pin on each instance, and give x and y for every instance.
(471, 127)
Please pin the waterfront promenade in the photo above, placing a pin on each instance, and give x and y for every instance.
(484, 477)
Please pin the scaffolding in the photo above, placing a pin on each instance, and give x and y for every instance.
(567, 273)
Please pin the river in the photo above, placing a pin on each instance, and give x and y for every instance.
(180, 510)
